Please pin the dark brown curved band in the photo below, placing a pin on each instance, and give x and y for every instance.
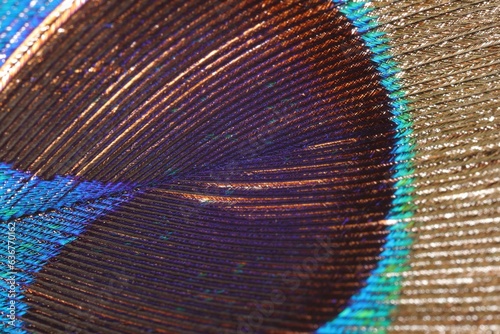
(253, 130)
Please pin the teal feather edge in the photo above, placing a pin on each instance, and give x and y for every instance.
(371, 308)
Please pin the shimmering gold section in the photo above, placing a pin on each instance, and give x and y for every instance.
(449, 53)
(49, 26)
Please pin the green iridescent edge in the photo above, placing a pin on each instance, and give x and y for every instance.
(370, 309)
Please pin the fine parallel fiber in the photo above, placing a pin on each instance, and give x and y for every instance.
(250, 166)
(449, 54)
(14, 29)
(250, 137)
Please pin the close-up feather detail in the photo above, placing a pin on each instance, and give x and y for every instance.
(256, 166)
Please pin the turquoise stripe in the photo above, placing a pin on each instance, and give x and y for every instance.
(18, 18)
(37, 218)
(370, 309)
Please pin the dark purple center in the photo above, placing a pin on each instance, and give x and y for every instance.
(259, 139)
